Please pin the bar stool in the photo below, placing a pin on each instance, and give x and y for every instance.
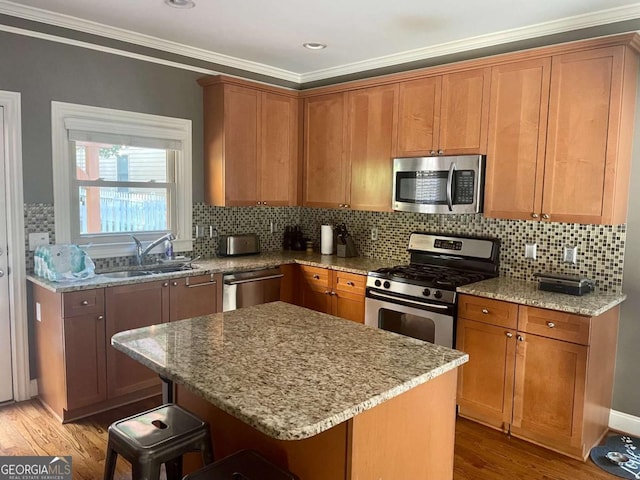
(157, 436)
(242, 465)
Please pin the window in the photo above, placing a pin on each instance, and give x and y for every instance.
(118, 174)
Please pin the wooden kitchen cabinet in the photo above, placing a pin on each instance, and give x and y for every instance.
(79, 372)
(444, 115)
(325, 162)
(566, 159)
(251, 144)
(333, 292)
(547, 378)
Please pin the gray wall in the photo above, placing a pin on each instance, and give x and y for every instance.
(626, 392)
(43, 71)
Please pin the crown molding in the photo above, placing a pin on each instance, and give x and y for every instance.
(128, 36)
(603, 17)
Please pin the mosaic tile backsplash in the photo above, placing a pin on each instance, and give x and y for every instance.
(600, 248)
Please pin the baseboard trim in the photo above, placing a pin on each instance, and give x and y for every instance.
(625, 423)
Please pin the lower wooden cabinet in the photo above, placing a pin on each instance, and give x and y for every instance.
(334, 292)
(546, 377)
(79, 372)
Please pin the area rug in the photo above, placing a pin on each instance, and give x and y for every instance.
(630, 446)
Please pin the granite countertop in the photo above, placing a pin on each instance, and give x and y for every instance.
(527, 293)
(359, 265)
(289, 372)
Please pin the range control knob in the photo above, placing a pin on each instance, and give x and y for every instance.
(438, 294)
(386, 284)
(426, 292)
(377, 283)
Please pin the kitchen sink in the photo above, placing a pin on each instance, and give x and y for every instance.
(127, 274)
(170, 268)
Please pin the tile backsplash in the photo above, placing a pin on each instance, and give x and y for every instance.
(600, 248)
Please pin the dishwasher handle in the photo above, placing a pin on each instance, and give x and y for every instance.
(253, 279)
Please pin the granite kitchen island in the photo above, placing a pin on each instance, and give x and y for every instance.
(326, 398)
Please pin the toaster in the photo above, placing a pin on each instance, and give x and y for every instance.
(230, 245)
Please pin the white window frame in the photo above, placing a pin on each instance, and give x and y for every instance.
(106, 120)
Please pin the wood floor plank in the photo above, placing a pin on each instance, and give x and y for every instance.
(27, 428)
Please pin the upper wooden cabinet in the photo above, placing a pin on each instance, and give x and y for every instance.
(444, 115)
(325, 166)
(250, 145)
(560, 133)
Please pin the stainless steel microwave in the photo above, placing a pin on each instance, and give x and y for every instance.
(439, 184)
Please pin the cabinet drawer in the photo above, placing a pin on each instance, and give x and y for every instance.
(350, 282)
(83, 302)
(553, 324)
(485, 310)
(315, 277)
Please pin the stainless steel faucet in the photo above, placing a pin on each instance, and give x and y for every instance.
(141, 253)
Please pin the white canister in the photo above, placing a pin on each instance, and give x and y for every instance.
(326, 239)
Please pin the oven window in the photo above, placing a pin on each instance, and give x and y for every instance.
(420, 327)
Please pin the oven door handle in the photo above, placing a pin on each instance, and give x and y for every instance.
(452, 169)
(391, 297)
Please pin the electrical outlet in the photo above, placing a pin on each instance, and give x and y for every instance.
(570, 254)
(38, 312)
(530, 250)
(37, 239)
(374, 233)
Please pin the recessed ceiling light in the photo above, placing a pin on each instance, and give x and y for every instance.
(314, 45)
(180, 3)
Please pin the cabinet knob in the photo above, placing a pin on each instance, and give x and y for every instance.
(545, 216)
(84, 302)
(175, 284)
(440, 152)
(100, 317)
(264, 203)
(316, 276)
(258, 203)
(534, 215)
(509, 335)
(165, 284)
(341, 205)
(327, 292)
(333, 293)
(351, 284)
(520, 338)
(432, 152)
(485, 311)
(551, 324)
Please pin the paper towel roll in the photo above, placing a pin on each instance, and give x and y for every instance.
(326, 239)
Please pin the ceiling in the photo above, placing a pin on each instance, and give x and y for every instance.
(266, 36)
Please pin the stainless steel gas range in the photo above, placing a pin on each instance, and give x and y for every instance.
(419, 299)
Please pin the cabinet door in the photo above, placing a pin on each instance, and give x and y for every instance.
(84, 357)
(517, 135)
(549, 390)
(315, 288)
(325, 166)
(371, 144)
(278, 165)
(584, 110)
(464, 112)
(485, 383)
(195, 296)
(128, 307)
(348, 298)
(419, 117)
(241, 133)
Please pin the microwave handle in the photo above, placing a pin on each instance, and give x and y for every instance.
(452, 169)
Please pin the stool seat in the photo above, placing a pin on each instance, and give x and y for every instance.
(242, 465)
(160, 435)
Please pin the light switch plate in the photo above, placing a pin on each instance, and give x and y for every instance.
(37, 239)
(374, 233)
(530, 250)
(570, 254)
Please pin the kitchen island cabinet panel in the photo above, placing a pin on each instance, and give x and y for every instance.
(127, 307)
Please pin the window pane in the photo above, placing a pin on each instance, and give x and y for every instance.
(112, 210)
(121, 163)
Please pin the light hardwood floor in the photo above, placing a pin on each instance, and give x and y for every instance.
(27, 428)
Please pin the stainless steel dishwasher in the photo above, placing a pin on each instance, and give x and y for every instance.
(243, 289)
